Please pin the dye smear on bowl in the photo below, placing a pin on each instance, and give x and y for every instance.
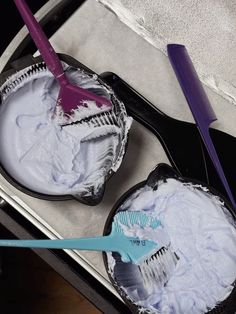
(47, 158)
(202, 234)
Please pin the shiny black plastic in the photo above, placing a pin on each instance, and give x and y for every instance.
(180, 140)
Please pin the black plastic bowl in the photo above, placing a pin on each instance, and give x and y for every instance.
(88, 200)
(161, 172)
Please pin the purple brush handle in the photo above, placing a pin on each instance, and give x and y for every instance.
(198, 103)
(46, 50)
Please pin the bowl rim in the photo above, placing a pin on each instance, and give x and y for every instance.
(29, 61)
(162, 172)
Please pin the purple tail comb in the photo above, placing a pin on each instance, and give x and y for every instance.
(70, 96)
(199, 104)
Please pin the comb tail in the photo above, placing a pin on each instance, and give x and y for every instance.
(214, 157)
(199, 104)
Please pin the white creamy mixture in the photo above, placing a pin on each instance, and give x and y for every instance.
(47, 158)
(202, 234)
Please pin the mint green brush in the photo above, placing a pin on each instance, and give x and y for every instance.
(155, 260)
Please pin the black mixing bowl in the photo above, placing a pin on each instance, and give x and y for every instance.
(88, 200)
(128, 270)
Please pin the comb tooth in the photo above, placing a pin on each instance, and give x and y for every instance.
(118, 218)
(99, 122)
(122, 218)
(154, 278)
(88, 122)
(164, 264)
(154, 223)
(156, 270)
(147, 220)
(156, 267)
(127, 219)
(130, 220)
(145, 275)
(103, 118)
(170, 261)
(166, 259)
(117, 222)
(103, 121)
(113, 118)
(35, 68)
(96, 121)
(106, 118)
(148, 278)
(142, 220)
(118, 227)
(137, 218)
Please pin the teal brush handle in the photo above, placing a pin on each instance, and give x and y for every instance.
(130, 249)
(97, 243)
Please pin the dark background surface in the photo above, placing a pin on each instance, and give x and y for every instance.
(28, 285)
(11, 21)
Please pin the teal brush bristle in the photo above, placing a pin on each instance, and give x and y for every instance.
(156, 262)
(130, 219)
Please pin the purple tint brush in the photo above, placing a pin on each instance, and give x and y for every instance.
(70, 96)
(198, 103)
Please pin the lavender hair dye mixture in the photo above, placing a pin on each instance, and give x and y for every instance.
(44, 156)
(203, 235)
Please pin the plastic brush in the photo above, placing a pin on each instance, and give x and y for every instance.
(199, 104)
(70, 96)
(155, 260)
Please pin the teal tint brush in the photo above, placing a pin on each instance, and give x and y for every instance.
(155, 259)
(70, 96)
(199, 104)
